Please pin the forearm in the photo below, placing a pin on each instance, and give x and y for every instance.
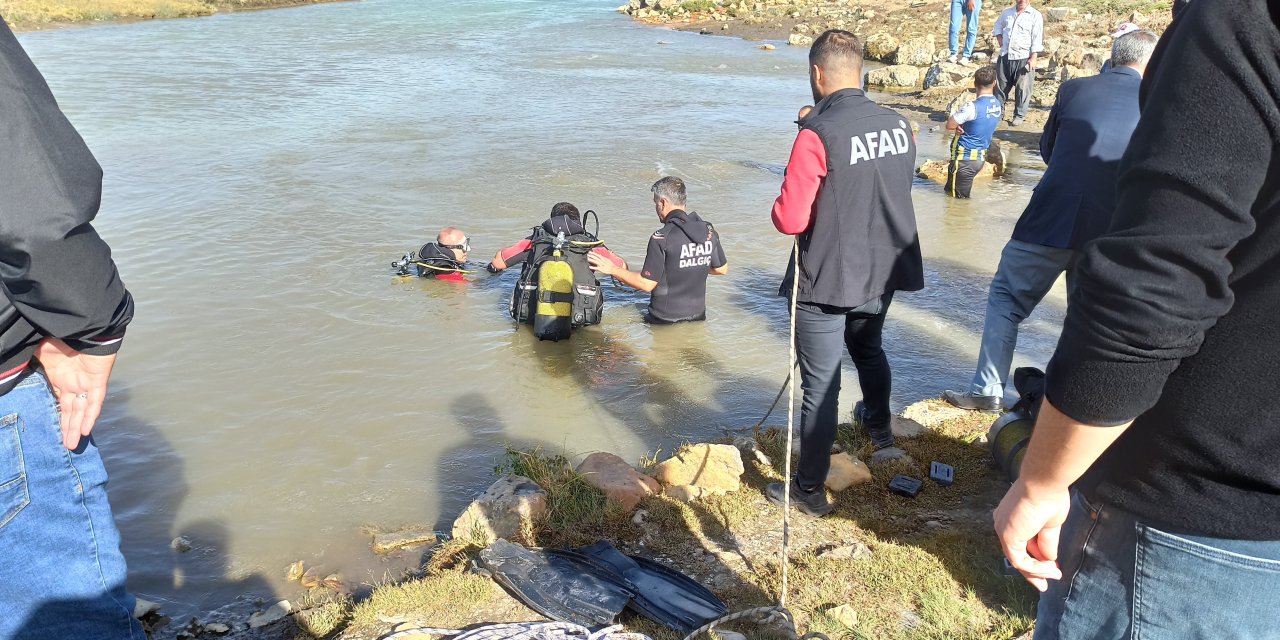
(634, 280)
(1062, 449)
(806, 168)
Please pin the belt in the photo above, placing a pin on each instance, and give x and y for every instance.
(960, 153)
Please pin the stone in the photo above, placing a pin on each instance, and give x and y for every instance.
(799, 40)
(1044, 94)
(933, 413)
(846, 552)
(946, 74)
(1137, 18)
(663, 5)
(684, 492)
(890, 455)
(916, 51)
(936, 171)
(639, 517)
(730, 635)
(846, 471)
(880, 46)
(387, 542)
(1068, 72)
(909, 620)
(143, 608)
(979, 56)
(716, 468)
(905, 427)
(934, 524)
(310, 579)
(618, 481)
(181, 544)
(767, 47)
(273, 613)
(1059, 14)
(217, 628)
(294, 572)
(503, 510)
(845, 615)
(898, 75)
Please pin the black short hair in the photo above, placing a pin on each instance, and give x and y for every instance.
(1179, 6)
(984, 77)
(837, 50)
(671, 188)
(566, 209)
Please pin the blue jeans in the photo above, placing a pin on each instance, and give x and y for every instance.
(960, 10)
(61, 571)
(1026, 273)
(1124, 579)
(822, 334)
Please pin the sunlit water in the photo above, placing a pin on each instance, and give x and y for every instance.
(280, 391)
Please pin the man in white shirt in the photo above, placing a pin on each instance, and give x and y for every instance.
(1020, 32)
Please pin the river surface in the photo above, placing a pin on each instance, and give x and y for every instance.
(280, 391)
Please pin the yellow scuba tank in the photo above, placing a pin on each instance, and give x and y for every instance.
(553, 317)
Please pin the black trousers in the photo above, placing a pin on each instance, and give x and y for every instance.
(960, 174)
(1019, 75)
(821, 332)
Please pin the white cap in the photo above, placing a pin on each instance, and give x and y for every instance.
(1125, 28)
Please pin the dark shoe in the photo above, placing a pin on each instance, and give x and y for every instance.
(973, 401)
(809, 503)
(881, 435)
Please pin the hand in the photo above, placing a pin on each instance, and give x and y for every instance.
(79, 384)
(601, 264)
(1028, 524)
(970, 4)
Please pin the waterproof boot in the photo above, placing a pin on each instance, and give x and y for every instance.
(813, 503)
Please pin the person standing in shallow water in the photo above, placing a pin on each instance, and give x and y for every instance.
(680, 256)
(62, 320)
(973, 125)
(847, 196)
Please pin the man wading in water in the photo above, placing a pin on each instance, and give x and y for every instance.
(847, 195)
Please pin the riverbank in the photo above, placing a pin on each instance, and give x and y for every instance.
(30, 15)
(881, 565)
(911, 38)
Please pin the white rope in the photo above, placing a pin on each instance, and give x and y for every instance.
(524, 631)
(791, 413)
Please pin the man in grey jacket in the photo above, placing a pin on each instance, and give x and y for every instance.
(62, 319)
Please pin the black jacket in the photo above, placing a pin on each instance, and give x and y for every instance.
(862, 242)
(1175, 319)
(57, 274)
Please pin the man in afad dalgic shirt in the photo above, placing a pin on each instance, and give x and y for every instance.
(680, 256)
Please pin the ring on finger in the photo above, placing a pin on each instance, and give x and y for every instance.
(82, 395)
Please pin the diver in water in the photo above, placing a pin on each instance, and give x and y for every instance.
(564, 219)
(444, 259)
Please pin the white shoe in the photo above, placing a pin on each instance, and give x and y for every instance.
(953, 58)
(965, 61)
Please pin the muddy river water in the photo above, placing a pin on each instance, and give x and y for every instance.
(280, 391)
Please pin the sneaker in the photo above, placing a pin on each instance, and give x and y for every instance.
(1017, 120)
(953, 58)
(812, 503)
(973, 401)
(966, 61)
(881, 436)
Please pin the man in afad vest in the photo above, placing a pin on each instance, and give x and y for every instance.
(847, 196)
(680, 256)
(973, 124)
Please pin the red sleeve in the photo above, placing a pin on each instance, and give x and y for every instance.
(605, 253)
(516, 249)
(805, 171)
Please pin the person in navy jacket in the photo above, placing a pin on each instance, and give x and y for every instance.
(1087, 133)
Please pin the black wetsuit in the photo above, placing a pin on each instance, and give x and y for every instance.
(679, 257)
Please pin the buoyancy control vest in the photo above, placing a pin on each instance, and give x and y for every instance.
(434, 260)
(557, 291)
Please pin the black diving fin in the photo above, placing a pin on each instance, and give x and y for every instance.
(561, 585)
(661, 594)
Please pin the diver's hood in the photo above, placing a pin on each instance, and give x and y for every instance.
(563, 224)
(437, 256)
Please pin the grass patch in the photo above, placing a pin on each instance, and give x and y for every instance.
(577, 513)
(693, 6)
(1122, 7)
(446, 600)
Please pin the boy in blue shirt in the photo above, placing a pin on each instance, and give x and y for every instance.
(973, 124)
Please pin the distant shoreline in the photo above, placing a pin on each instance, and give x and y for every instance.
(38, 15)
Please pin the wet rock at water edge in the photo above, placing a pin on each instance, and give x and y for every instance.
(503, 510)
(898, 75)
(714, 468)
(388, 542)
(880, 46)
(181, 544)
(294, 572)
(619, 481)
(799, 40)
(275, 612)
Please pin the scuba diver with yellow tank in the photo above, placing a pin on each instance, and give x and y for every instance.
(444, 259)
(557, 290)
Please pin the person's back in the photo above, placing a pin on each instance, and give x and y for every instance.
(691, 249)
(1084, 139)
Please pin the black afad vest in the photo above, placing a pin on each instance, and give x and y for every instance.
(862, 242)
